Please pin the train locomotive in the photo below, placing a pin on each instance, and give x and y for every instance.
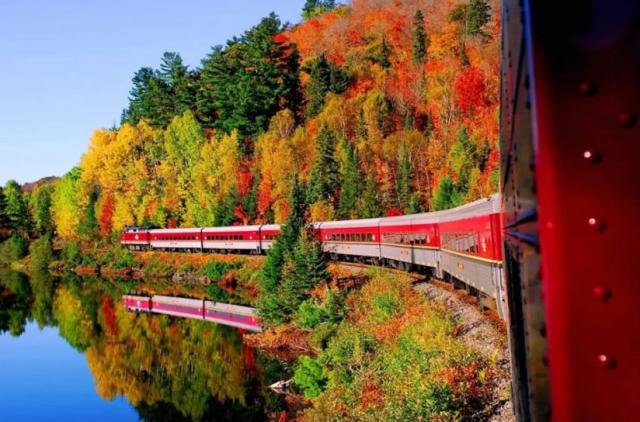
(463, 245)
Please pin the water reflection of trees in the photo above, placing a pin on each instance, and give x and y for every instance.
(167, 368)
(15, 302)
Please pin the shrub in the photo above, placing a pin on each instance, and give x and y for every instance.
(125, 259)
(12, 249)
(309, 314)
(158, 268)
(216, 293)
(310, 377)
(321, 335)
(386, 304)
(216, 270)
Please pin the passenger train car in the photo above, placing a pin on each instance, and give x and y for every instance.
(462, 244)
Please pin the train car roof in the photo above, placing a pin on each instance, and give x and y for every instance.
(231, 229)
(184, 230)
(477, 208)
(270, 227)
(367, 222)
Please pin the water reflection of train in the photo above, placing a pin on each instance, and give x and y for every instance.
(221, 313)
(464, 244)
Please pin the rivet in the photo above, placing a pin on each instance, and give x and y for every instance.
(588, 88)
(601, 293)
(591, 156)
(627, 119)
(595, 223)
(606, 361)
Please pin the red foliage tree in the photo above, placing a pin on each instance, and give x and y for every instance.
(470, 89)
(106, 216)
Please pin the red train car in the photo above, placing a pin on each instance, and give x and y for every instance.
(355, 238)
(136, 238)
(137, 303)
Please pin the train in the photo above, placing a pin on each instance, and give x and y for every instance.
(462, 245)
(237, 316)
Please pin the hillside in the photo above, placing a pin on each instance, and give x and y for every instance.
(377, 107)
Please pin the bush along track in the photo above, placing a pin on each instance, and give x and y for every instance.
(390, 351)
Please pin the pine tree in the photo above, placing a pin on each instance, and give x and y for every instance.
(369, 206)
(385, 53)
(351, 181)
(272, 269)
(40, 203)
(478, 16)
(446, 195)
(180, 82)
(472, 16)
(403, 180)
(324, 179)
(16, 208)
(89, 225)
(3, 205)
(224, 212)
(462, 158)
(247, 82)
(415, 206)
(419, 38)
(318, 86)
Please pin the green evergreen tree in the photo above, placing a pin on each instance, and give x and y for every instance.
(415, 205)
(385, 53)
(89, 226)
(245, 83)
(180, 82)
(462, 158)
(313, 8)
(403, 180)
(273, 273)
(40, 203)
(479, 16)
(16, 208)
(4, 222)
(351, 181)
(272, 269)
(419, 38)
(472, 16)
(149, 99)
(324, 77)
(446, 195)
(308, 269)
(369, 206)
(324, 180)
(224, 214)
(216, 81)
(318, 86)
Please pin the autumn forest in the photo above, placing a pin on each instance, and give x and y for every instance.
(377, 107)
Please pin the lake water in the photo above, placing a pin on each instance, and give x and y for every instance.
(70, 351)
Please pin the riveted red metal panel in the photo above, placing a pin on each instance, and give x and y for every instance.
(586, 96)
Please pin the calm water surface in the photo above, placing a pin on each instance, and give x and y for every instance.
(70, 351)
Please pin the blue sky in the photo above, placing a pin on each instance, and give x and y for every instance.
(67, 66)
